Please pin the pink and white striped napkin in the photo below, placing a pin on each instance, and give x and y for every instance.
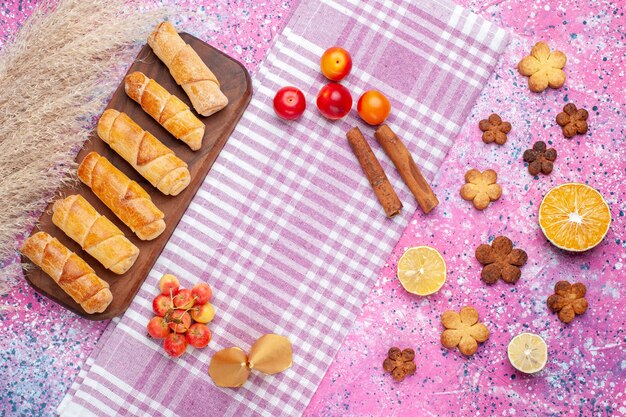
(286, 227)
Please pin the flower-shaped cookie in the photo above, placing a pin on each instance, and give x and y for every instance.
(400, 363)
(500, 260)
(463, 330)
(494, 129)
(481, 188)
(544, 68)
(568, 300)
(573, 121)
(539, 158)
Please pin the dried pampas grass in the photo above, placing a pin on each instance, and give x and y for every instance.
(55, 78)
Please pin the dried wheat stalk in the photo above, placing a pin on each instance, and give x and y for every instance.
(55, 78)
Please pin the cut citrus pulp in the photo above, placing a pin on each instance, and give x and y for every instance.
(574, 217)
(528, 353)
(422, 270)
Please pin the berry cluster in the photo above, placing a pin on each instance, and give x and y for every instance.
(181, 316)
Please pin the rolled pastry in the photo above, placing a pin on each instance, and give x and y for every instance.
(126, 199)
(68, 270)
(188, 69)
(167, 109)
(96, 234)
(154, 161)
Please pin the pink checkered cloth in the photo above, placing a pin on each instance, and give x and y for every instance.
(286, 227)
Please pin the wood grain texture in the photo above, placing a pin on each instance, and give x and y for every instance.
(236, 85)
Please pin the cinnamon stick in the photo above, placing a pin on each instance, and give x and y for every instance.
(374, 172)
(405, 164)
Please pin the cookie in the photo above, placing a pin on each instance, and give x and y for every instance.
(481, 188)
(400, 364)
(568, 300)
(540, 158)
(500, 260)
(463, 330)
(544, 68)
(573, 121)
(494, 129)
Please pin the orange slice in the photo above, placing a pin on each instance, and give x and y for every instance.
(422, 270)
(574, 217)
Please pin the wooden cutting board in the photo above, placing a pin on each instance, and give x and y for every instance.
(236, 85)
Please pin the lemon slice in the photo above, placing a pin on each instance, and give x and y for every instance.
(574, 217)
(422, 270)
(528, 353)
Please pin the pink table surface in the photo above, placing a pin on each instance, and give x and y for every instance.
(42, 346)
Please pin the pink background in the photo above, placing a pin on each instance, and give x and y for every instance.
(42, 346)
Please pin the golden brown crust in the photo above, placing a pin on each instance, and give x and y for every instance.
(152, 159)
(168, 41)
(188, 69)
(481, 188)
(544, 68)
(126, 199)
(167, 109)
(96, 234)
(463, 330)
(69, 271)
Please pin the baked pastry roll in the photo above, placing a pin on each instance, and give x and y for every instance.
(154, 161)
(188, 69)
(96, 234)
(68, 270)
(167, 109)
(126, 199)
